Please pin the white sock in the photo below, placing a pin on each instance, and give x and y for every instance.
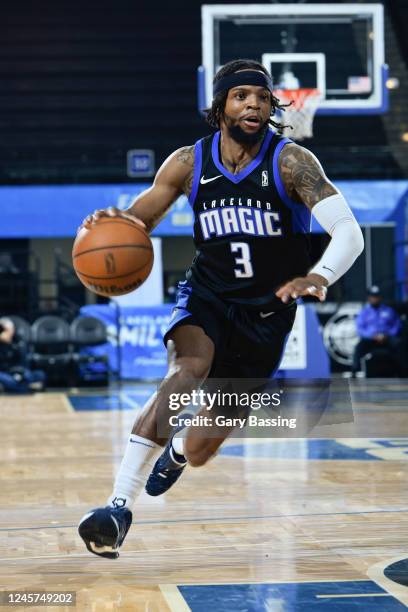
(137, 463)
(178, 443)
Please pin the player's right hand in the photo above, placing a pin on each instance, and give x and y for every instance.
(112, 211)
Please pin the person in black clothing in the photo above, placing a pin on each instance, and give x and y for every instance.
(252, 192)
(9, 349)
(14, 374)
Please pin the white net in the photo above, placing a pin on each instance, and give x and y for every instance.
(300, 113)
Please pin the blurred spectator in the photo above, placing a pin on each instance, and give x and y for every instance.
(14, 374)
(378, 326)
(9, 350)
(7, 265)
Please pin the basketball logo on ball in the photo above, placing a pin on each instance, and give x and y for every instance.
(110, 263)
(113, 257)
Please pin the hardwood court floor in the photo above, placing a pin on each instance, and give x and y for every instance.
(277, 525)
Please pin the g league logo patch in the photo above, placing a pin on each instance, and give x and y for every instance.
(265, 178)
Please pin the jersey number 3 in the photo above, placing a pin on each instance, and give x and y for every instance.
(243, 260)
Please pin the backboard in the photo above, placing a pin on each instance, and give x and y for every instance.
(337, 48)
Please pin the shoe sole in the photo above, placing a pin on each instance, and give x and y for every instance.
(98, 535)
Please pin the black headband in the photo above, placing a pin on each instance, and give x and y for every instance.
(243, 77)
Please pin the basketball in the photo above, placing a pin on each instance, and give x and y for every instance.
(113, 257)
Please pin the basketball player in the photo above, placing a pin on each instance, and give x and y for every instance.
(252, 193)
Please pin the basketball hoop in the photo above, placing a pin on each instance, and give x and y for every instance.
(301, 113)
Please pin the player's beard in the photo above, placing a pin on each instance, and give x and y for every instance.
(236, 132)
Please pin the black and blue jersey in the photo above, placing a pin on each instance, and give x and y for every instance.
(249, 235)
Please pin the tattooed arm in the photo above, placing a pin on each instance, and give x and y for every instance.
(303, 177)
(173, 178)
(304, 181)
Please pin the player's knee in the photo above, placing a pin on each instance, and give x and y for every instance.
(197, 452)
(192, 368)
(197, 458)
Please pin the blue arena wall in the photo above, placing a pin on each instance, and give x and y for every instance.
(55, 211)
(141, 353)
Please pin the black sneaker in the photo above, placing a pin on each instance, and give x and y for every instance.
(104, 529)
(167, 469)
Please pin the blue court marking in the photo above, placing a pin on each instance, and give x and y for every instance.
(99, 402)
(130, 398)
(401, 443)
(295, 449)
(292, 597)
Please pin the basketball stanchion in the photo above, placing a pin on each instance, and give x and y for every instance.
(303, 104)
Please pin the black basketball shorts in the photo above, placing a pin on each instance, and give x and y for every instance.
(248, 343)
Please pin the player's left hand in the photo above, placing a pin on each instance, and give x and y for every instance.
(312, 284)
